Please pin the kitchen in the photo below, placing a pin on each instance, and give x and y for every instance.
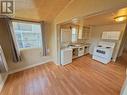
(99, 39)
(74, 42)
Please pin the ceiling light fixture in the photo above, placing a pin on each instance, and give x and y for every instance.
(121, 18)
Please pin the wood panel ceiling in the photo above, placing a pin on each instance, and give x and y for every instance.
(39, 9)
(102, 18)
(105, 18)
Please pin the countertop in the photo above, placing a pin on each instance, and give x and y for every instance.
(76, 46)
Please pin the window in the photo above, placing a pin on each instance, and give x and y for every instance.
(28, 35)
(74, 35)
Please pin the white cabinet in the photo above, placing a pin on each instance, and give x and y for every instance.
(86, 33)
(66, 35)
(111, 35)
(81, 51)
(66, 56)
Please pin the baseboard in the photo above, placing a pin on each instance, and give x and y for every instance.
(3, 82)
(20, 69)
(27, 67)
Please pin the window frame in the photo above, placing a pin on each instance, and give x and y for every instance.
(14, 34)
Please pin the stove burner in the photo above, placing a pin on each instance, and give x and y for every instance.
(108, 47)
(99, 46)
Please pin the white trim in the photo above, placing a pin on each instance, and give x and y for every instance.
(3, 82)
(27, 67)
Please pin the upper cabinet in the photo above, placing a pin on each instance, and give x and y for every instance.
(66, 35)
(84, 33)
(111, 35)
(71, 33)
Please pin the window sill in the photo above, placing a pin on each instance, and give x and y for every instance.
(23, 49)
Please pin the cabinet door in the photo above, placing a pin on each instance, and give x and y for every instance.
(86, 33)
(111, 35)
(66, 35)
(105, 35)
(115, 35)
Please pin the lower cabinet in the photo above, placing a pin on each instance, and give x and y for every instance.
(66, 56)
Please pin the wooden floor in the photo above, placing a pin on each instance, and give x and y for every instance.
(83, 77)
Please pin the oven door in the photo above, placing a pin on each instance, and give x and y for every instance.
(102, 52)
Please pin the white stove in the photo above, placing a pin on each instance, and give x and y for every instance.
(103, 52)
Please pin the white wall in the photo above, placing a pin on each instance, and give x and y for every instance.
(96, 33)
(29, 57)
